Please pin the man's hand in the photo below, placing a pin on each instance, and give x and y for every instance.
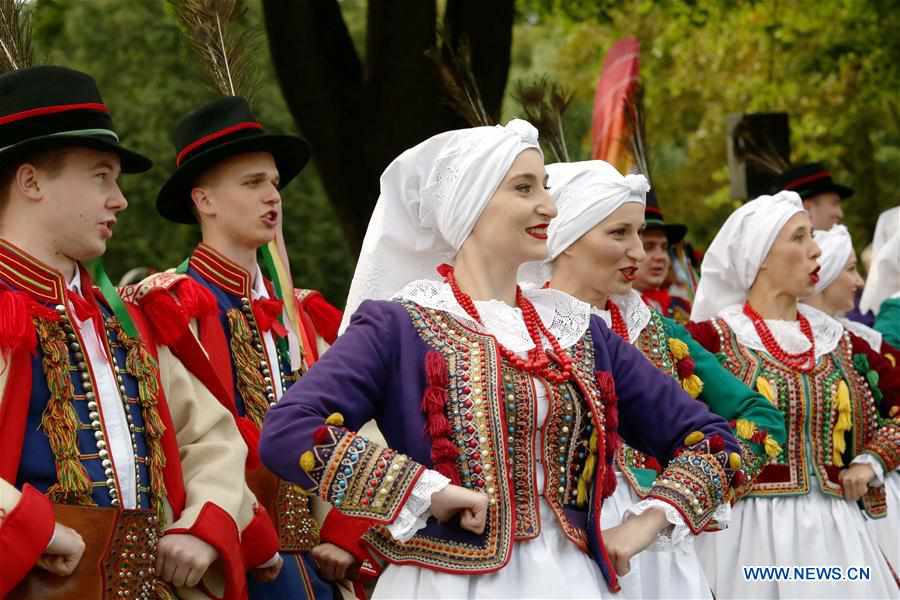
(182, 560)
(631, 537)
(856, 480)
(335, 563)
(269, 573)
(64, 551)
(471, 505)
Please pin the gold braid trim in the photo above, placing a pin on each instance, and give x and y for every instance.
(250, 380)
(141, 365)
(59, 421)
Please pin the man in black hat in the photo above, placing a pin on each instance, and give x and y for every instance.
(100, 429)
(652, 278)
(262, 335)
(821, 196)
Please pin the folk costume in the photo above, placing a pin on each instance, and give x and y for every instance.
(101, 429)
(795, 514)
(878, 363)
(882, 292)
(586, 193)
(465, 392)
(251, 353)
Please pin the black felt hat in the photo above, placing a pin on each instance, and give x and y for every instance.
(49, 107)
(811, 180)
(653, 219)
(219, 130)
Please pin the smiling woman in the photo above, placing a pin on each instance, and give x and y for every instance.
(499, 404)
(837, 450)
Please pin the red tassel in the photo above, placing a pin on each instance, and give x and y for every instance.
(449, 471)
(321, 435)
(612, 444)
(196, 300)
(685, 367)
(251, 437)
(612, 415)
(15, 322)
(716, 443)
(444, 270)
(438, 426)
(166, 315)
(443, 450)
(739, 479)
(436, 370)
(652, 463)
(433, 400)
(759, 436)
(609, 481)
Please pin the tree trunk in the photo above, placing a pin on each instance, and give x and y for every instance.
(360, 117)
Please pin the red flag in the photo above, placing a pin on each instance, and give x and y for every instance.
(617, 84)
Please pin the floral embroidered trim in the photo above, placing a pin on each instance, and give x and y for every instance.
(698, 478)
(359, 477)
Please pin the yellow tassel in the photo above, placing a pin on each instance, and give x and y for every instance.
(894, 410)
(308, 461)
(773, 448)
(587, 473)
(891, 359)
(693, 385)
(678, 349)
(734, 460)
(765, 388)
(695, 437)
(335, 419)
(250, 381)
(745, 429)
(842, 426)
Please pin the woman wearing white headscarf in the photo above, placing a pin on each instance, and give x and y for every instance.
(835, 291)
(594, 247)
(499, 405)
(882, 292)
(802, 508)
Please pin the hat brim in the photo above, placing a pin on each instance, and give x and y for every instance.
(131, 161)
(842, 191)
(291, 153)
(674, 232)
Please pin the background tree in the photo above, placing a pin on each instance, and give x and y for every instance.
(360, 109)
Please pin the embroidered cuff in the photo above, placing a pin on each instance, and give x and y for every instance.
(698, 479)
(415, 512)
(358, 477)
(873, 461)
(885, 444)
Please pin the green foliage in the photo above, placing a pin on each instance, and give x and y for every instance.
(149, 79)
(834, 66)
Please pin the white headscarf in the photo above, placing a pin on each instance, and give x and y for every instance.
(732, 262)
(837, 247)
(431, 198)
(888, 224)
(585, 193)
(884, 276)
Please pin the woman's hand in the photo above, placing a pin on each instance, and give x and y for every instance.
(855, 480)
(631, 537)
(334, 563)
(471, 505)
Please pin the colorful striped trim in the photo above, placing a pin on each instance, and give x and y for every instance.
(213, 136)
(29, 274)
(221, 271)
(50, 110)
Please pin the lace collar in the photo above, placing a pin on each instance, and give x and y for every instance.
(564, 316)
(827, 331)
(871, 336)
(635, 312)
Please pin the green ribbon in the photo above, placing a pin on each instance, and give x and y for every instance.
(109, 291)
(267, 264)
